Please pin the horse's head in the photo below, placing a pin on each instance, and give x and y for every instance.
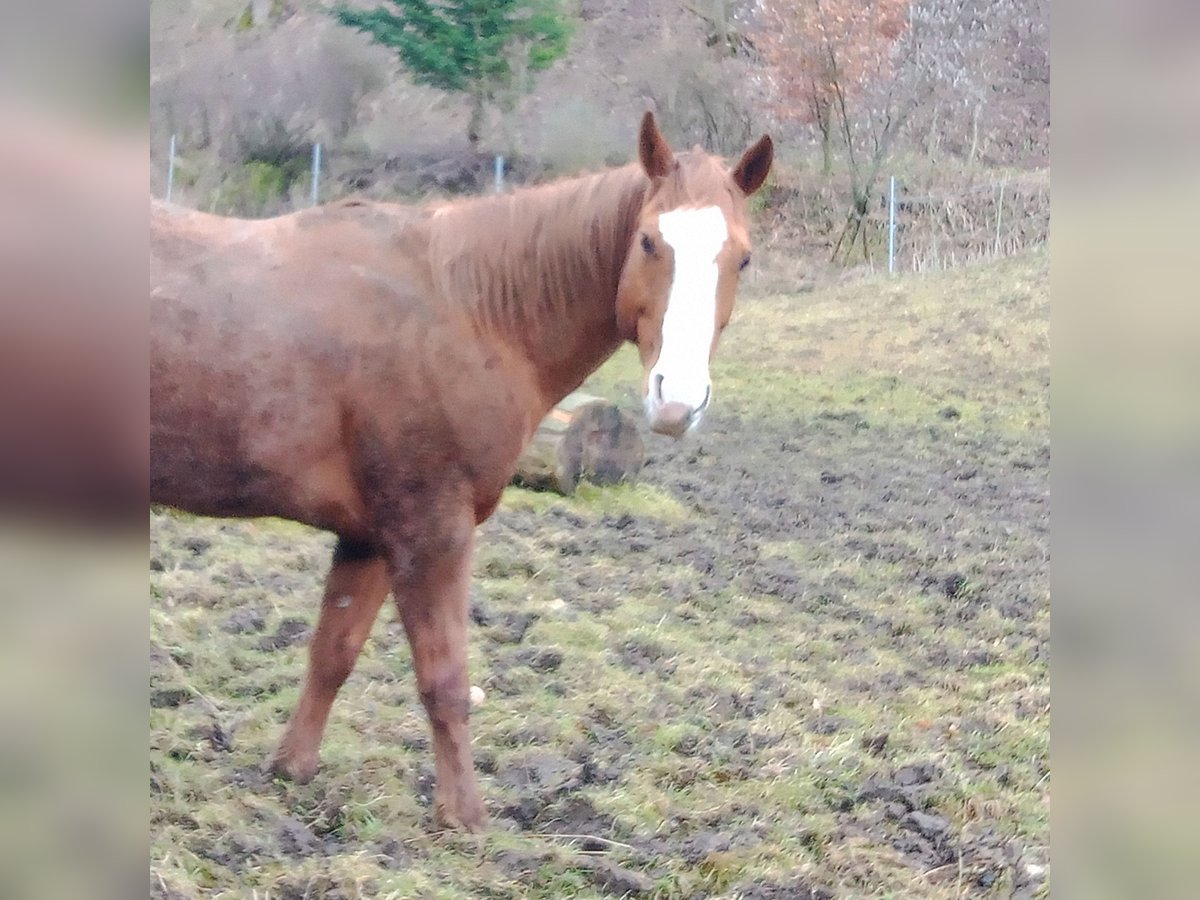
(681, 272)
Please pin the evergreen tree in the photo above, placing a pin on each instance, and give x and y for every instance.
(482, 48)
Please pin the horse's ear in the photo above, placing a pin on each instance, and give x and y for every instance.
(656, 156)
(751, 170)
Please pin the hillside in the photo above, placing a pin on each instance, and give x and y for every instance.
(247, 87)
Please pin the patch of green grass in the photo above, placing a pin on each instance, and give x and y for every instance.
(636, 499)
(525, 500)
(632, 498)
(963, 349)
(619, 379)
(898, 350)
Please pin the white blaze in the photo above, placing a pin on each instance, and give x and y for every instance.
(696, 237)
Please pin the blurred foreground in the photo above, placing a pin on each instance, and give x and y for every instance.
(73, 451)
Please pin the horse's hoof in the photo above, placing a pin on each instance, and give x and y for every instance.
(472, 820)
(300, 771)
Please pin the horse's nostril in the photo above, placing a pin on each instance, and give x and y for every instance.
(658, 380)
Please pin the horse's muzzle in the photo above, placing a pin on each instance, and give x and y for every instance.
(671, 417)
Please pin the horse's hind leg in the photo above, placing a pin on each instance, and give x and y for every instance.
(355, 589)
(433, 604)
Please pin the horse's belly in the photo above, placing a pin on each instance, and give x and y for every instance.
(225, 444)
(196, 464)
(199, 477)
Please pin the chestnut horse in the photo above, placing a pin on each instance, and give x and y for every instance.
(374, 370)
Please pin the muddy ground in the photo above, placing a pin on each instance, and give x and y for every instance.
(805, 656)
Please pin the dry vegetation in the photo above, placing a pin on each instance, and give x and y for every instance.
(248, 87)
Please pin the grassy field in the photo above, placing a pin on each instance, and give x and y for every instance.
(805, 656)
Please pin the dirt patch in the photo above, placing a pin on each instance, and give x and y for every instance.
(289, 633)
(614, 879)
(792, 890)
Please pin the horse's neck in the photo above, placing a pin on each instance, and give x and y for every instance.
(539, 270)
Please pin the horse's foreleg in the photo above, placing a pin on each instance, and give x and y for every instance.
(354, 591)
(433, 606)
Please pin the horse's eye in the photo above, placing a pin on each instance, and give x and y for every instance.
(745, 262)
(648, 245)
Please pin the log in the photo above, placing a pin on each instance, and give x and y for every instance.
(583, 438)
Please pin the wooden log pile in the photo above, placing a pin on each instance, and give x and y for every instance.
(583, 438)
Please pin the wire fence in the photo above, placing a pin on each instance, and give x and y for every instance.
(951, 218)
(943, 229)
(499, 182)
(929, 230)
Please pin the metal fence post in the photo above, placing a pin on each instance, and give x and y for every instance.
(999, 219)
(171, 169)
(499, 174)
(316, 173)
(892, 226)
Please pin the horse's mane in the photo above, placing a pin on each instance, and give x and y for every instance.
(515, 259)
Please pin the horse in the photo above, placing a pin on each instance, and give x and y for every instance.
(375, 369)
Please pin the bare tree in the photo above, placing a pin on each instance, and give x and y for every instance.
(859, 71)
(267, 94)
(827, 59)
